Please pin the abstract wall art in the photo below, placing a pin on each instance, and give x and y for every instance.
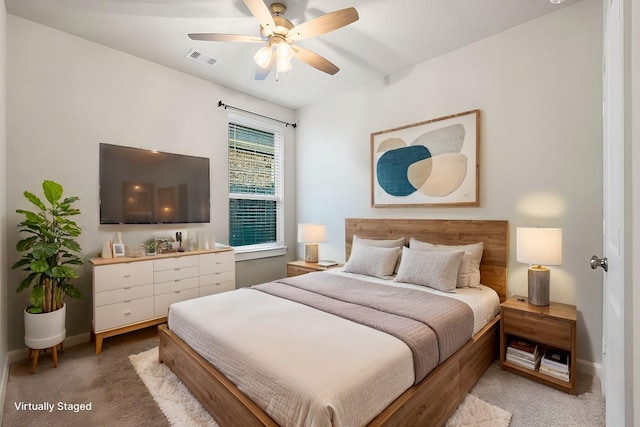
(434, 162)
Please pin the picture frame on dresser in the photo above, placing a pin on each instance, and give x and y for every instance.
(118, 250)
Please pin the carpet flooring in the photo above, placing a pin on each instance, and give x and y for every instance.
(118, 397)
(183, 410)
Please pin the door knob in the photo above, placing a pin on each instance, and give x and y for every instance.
(599, 262)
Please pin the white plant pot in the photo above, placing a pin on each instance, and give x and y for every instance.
(45, 330)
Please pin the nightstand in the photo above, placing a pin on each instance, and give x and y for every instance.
(296, 268)
(550, 327)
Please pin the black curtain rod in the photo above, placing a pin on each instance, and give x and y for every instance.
(222, 104)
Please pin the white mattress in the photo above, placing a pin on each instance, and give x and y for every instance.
(317, 369)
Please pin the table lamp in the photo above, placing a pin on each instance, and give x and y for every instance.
(538, 246)
(311, 235)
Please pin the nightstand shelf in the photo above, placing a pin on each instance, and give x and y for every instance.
(550, 327)
(296, 268)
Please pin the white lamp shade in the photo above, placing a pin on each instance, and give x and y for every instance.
(312, 233)
(541, 246)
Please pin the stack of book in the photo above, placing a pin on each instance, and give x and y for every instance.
(523, 353)
(555, 364)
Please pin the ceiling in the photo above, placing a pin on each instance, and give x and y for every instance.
(390, 36)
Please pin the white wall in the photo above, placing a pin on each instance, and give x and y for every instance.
(538, 87)
(65, 95)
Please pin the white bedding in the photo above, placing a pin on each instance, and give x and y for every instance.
(267, 348)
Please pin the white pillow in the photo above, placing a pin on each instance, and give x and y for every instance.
(392, 243)
(372, 261)
(474, 251)
(435, 269)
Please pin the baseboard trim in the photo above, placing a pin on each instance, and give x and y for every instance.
(591, 368)
(21, 354)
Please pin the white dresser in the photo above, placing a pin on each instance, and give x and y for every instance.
(134, 293)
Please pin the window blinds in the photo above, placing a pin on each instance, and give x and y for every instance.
(254, 185)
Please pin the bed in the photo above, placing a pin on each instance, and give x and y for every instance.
(427, 401)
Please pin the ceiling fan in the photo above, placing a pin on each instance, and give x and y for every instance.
(280, 35)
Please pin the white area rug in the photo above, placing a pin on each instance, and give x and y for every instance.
(183, 410)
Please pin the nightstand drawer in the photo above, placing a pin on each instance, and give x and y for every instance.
(538, 327)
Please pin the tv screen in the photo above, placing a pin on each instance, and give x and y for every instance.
(148, 187)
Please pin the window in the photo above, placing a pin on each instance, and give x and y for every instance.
(255, 185)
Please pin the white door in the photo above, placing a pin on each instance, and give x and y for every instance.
(613, 215)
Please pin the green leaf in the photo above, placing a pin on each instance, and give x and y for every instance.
(62, 271)
(52, 191)
(26, 244)
(44, 250)
(35, 200)
(35, 310)
(36, 298)
(39, 266)
(25, 283)
(73, 292)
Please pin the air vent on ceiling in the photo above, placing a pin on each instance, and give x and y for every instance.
(200, 57)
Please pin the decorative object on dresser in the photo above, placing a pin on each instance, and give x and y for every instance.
(311, 235)
(133, 293)
(151, 247)
(434, 162)
(537, 246)
(49, 255)
(296, 268)
(550, 331)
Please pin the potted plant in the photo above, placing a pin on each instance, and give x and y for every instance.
(151, 247)
(49, 252)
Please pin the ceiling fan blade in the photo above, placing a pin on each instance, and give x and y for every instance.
(214, 37)
(262, 14)
(315, 60)
(323, 24)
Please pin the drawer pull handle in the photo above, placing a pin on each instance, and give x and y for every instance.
(177, 292)
(126, 276)
(177, 280)
(127, 288)
(176, 269)
(127, 301)
(126, 313)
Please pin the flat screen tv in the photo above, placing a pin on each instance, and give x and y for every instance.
(148, 187)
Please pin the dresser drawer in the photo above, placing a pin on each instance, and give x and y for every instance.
(217, 262)
(175, 262)
(162, 302)
(175, 274)
(216, 278)
(125, 294)
(116, 276)
(216, 288)
(538, 327)
(123, 313)
(175, 285)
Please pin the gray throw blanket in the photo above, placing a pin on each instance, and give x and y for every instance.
(434, 327)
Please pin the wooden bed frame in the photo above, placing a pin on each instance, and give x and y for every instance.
(430, 402)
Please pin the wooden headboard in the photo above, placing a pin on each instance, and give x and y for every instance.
(494, 234)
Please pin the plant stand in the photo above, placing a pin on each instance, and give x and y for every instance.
(33, 356)
(44, 331)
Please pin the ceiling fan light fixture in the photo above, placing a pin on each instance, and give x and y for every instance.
(264, 56)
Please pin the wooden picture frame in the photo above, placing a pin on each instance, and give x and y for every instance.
(430, 163)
